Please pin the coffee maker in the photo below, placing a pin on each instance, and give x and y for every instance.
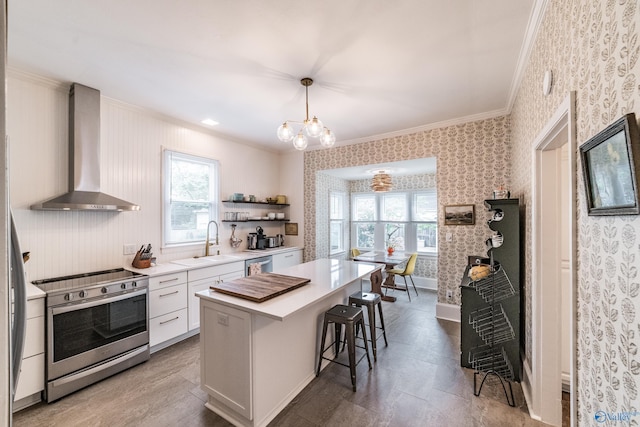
(261, 242)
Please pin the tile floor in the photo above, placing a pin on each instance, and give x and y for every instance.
(417, 381)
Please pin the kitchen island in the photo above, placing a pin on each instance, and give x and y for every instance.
(256, 357)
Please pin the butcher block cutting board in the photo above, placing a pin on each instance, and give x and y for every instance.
(260, 287)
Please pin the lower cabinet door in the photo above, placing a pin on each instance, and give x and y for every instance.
(167, 326)
(31, 379)
(225, 352)
(194, 301)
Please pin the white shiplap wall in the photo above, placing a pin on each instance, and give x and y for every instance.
(132, 139)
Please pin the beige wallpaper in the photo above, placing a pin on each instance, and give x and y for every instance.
(472, 159)
(593, 49)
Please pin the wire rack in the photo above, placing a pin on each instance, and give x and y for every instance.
(491, 359)
(493, 327)
(495, 287)
(492, 324)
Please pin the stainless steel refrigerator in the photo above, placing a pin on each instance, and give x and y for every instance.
(12, 279)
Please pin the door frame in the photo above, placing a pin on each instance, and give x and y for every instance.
(546, 379)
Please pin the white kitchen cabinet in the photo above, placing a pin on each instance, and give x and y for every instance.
(168, 315)
(287, 259)
(229, 379)
(31, 380)
(201, 278)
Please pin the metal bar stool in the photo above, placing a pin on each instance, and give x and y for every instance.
(349, 317)
(370, 300)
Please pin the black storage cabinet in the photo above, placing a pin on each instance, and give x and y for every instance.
(474, 301)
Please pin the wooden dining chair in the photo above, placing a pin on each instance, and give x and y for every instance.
(407, 271)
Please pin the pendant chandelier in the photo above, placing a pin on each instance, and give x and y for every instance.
(313, 128)
(381, 182)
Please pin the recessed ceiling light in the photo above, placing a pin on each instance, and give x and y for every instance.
(210, 122)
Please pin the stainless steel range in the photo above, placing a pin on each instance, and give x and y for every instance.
(97, 325)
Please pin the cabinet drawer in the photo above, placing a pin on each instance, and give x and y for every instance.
(163, 301)
(31, 379)
(218, 270)
(35, 308)
(287, 259)
(165, 280)
(165, 327)
(34, 338)
(230, 276)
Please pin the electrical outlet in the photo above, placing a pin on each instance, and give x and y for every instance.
(223, 319)
(129, 249)
(449, 294)
(449, 237)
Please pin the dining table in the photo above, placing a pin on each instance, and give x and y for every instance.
(390, 261)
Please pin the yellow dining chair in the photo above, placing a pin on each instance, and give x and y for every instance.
(355, 252)
(407, 271)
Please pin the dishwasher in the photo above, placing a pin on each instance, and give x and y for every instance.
(265, 263)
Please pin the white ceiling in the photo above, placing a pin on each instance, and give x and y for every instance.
(380, 67)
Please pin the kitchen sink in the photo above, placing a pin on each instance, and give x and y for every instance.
(204, 260)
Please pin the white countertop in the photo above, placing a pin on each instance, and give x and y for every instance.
(327, 276)
(173, 266)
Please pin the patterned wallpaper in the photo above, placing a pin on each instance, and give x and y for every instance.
(593, 49)
(473, 158)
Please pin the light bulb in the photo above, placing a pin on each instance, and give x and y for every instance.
(328, 138)
(313, 127)
(285, 133)
(300, 141)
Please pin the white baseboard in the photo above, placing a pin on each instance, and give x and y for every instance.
(427, 283)
(448, 312)
(421, 282)
(566, 382)
(526, 389)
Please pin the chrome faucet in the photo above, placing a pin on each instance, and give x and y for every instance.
(207, 244)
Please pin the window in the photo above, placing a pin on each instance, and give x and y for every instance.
(406, 220)
(189, 197)
(364, 216)
(425, 216)
(337, 222)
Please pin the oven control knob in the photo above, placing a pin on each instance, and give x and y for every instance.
(68, 297)
(104, 290)
(83, 294)
(123, 286)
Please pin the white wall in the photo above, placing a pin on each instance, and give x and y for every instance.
(64, 243)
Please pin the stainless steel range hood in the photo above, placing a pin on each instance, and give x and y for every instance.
(84, 159)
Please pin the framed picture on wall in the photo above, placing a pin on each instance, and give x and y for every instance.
(610, 169)
(459, 214)
(291, 229)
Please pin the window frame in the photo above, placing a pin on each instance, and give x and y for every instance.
(213, 203)
(342, 221)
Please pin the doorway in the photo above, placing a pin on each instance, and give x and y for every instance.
(554, 263)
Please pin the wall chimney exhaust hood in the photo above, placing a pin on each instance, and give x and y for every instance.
(84, 159)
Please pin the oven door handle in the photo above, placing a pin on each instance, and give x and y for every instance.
(88, 304)
(109, 363)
